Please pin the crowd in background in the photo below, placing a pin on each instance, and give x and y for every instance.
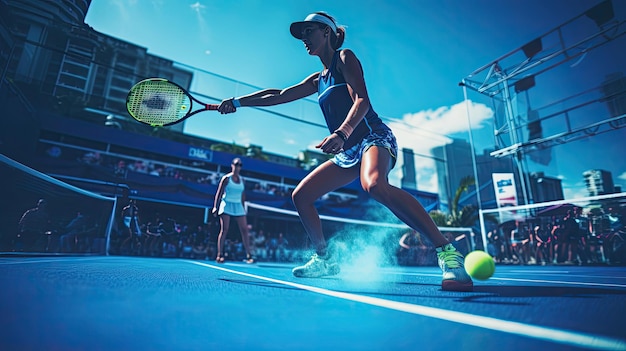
(169, 237)
(121, 166)
(569, 239)
(38, 231)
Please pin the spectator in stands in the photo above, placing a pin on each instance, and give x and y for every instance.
(272, 247)
(616, 217)
(32, 226)
(199, 249)
(120, 170)
(91, 158)
(259, 243)
(542, 241)
(362, 145)
(571, 233)
(186, 247)
(412, 249)
(229, 202)
(130, 214)
(156, 170)
(495, 245)
(281, 250)
(252, 238)
(520, 241)
(72, 230)
(560, 242)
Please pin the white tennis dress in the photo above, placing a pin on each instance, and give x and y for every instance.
(231, 200)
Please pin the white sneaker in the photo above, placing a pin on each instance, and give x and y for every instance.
(455, 278)
(315, 268)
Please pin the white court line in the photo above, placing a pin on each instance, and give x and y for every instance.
(50, 259)
(585, 276)
(568, 273)
(526, 280)
(525, 330)
(561, 282)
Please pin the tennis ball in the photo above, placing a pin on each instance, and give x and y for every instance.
(479, 265)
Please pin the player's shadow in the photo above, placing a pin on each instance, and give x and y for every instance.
(484, 294)
(374, 292)
(491, 294)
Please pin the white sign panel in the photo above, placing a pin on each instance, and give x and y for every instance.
(504, 185)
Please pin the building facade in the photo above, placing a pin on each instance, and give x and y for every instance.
(599, 182)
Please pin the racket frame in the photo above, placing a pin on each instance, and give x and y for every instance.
(192, 99)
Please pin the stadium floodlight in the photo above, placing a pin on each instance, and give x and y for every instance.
(602, 13)
(532, 48)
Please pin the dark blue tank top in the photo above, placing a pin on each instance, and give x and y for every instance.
(335, 101)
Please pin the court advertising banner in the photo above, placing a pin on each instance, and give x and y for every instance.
(504, 186)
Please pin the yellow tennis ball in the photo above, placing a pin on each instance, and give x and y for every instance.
(479, 265)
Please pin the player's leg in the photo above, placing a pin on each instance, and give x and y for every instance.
(221, 238)
(127, 243)
(375, 166)
(242, 222)
(324, 179)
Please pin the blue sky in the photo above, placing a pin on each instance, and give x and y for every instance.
(414, 54)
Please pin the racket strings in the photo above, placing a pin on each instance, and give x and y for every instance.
(158, 102)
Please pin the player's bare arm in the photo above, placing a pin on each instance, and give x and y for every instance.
(352, 71)
(271, 97)
(219, 193)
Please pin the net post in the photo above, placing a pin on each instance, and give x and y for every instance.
(110, 228)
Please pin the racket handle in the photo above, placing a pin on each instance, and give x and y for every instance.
(211, 107)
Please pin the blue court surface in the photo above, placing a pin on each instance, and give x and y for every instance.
(132, 303)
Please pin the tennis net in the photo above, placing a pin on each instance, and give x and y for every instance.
(41, 214)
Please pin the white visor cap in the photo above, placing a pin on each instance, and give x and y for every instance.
(296, 27)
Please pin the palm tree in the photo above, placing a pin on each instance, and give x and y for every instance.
(464, 217)
(468, 215)
(230, 148)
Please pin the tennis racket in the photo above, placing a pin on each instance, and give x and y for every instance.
(159, 102)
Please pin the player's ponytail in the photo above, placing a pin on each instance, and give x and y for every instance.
(338, 37)
(341, 35)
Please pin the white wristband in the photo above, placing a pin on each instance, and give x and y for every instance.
(236, 103)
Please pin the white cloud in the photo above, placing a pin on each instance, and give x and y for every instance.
(244, 137)
(424, 130)
(122, 10)
(203, 31)
(575, 192)
(197, 7)
(622, 176)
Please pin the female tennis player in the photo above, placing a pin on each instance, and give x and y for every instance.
(362, 145)
(229, 202)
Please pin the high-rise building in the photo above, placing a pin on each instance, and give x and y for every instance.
(456, 164)
(599, 182)
(545, 188)
(56, 54)
(409, 177)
